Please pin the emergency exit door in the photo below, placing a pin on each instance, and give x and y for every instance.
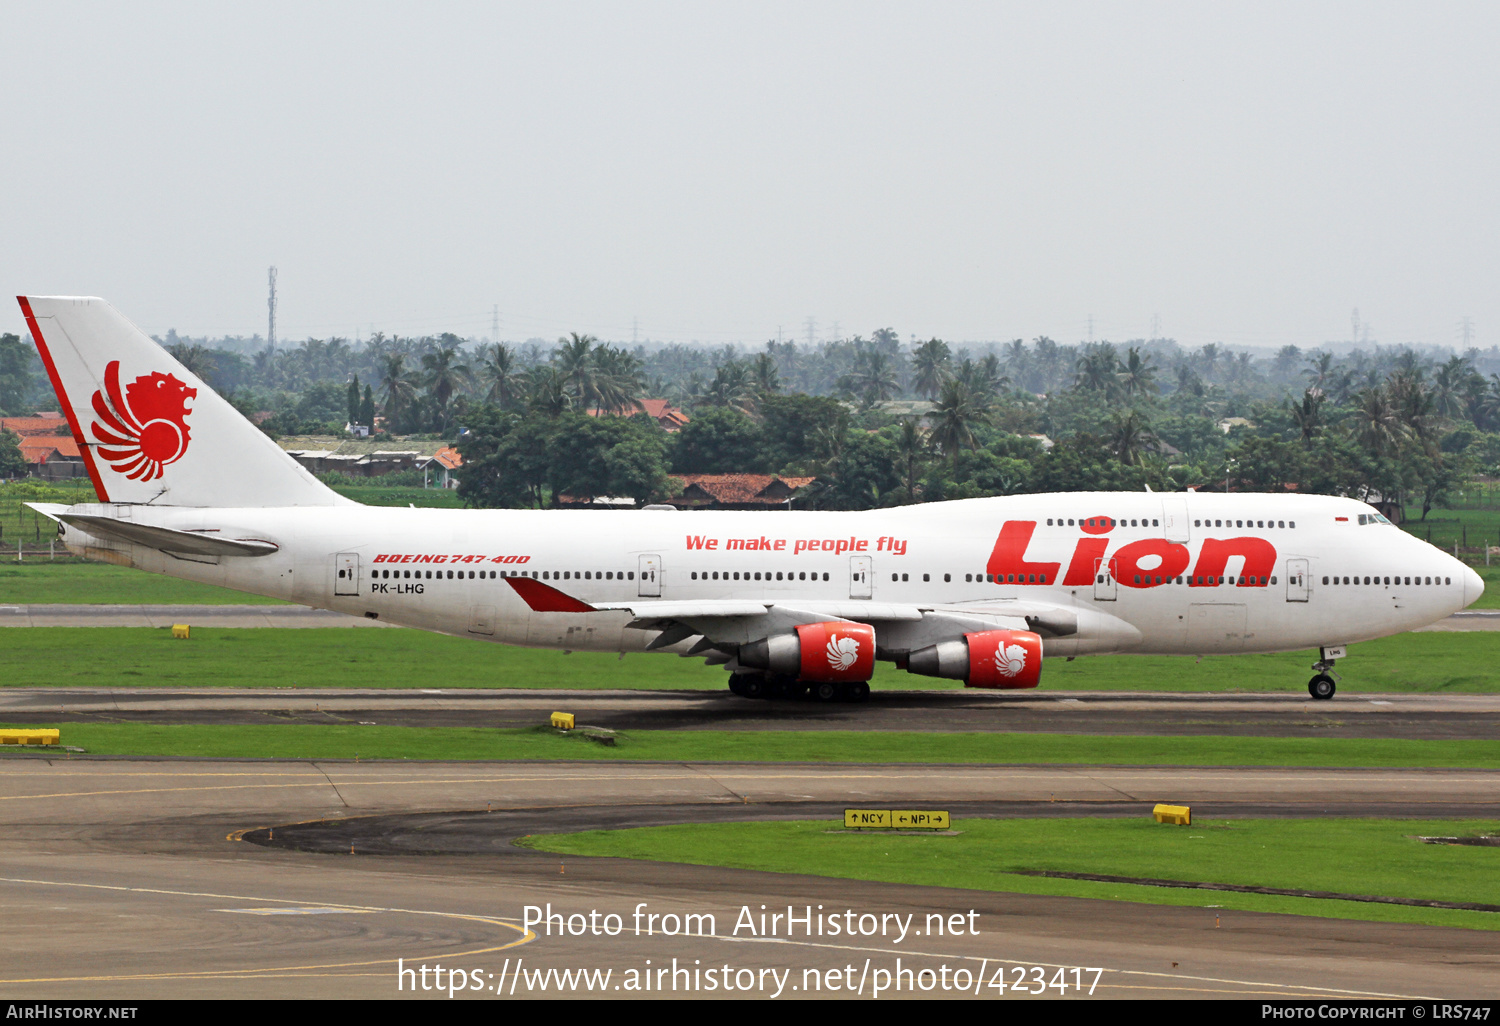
(1298, 582)
(859, 576)
(650, 579)
(346, 573)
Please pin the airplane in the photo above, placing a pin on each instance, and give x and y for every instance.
(792, 603)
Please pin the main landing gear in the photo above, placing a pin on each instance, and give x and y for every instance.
(1322, 686)
(760, 685)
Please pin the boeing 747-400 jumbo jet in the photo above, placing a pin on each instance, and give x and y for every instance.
(979, 590)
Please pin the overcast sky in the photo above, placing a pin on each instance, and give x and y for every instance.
(1248, 173)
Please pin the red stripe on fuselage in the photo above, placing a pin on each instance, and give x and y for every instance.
(543, 598)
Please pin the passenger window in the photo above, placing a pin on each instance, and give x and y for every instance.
(825, 577)
(903, 577)
(926, 578)
(893, 577)
(969, 578)
(947, 578)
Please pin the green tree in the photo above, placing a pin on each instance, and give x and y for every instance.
(15, 373)
(718, 440)
(791, 425)
(12, 462)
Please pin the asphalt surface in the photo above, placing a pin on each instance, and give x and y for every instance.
(133, 880)
(1292, 714)
(60, 615)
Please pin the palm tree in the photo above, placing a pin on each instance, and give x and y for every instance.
(959, 411)
(873, 378)
(1377, 422)
(1307, 414)
(1137, 375)
(1319, 369)
(547, 391)
(1049, 357)
(911, 446)
(767, 378)
(1447, 386)
(197, 358)
(618, 380)
(1095, 369)
(932, 364)
(1209, 356)
(732, 386)
(1130, 434)
(498, 375)
(445, 378)
(574, 359)
(398, 389)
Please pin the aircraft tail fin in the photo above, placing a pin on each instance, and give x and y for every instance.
(150, 430)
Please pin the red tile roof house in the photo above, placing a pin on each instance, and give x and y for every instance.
(664, 413)
(716, 491)
(51, 455)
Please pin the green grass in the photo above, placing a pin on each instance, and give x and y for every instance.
(319, 657)
(38, 581)
(1348, 856)
(333, 657)
(308, 741)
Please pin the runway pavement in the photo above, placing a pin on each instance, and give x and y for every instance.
(132, 882)
(1291, 714)
(58, 615)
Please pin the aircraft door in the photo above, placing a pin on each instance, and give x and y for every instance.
(481, 619)
(346, 573)
(1104, 580)
(650, 579)
(1298, 581)
(859, 576)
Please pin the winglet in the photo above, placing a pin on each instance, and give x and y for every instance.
(543, 598)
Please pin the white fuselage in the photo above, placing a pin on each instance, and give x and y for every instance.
(1179, 573)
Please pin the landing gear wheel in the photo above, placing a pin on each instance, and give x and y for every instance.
(827, 691)
(1321, 687)
(859, 691)
(748, 685)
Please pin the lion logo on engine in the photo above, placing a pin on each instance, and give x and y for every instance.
(842, 652)
(1009, 660)
(144, 428)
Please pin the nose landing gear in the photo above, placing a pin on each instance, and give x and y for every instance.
(1322, 686)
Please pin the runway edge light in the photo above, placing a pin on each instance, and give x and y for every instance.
(1179, 815)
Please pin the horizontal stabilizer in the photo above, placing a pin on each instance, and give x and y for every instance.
(198, 543)
(50, 510)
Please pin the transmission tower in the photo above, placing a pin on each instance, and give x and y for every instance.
(271, 307)
(812, 331)
(495, 324)
(1466, 329)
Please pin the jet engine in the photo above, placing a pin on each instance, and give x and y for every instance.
(985, 659)
(835, 650)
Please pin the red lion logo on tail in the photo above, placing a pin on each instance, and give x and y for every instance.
(145, 428)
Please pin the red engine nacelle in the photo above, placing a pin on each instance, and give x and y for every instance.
(984, 659)
(835, 650)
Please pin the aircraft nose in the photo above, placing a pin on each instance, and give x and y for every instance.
(1473, 586)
